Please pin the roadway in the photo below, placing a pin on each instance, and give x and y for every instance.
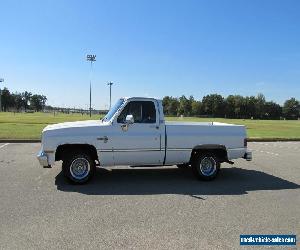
(149, 208)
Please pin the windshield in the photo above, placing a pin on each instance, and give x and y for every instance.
(113, 110)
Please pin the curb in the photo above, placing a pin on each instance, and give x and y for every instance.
(19, 140)
(248, 139)
(272, 139)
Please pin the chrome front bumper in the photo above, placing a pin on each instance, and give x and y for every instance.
(248, 156)
(43, 159)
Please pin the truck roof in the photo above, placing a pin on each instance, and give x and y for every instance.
(141, 97)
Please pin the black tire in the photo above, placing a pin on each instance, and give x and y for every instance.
(184, 165)
(206, 166)
(78, 167)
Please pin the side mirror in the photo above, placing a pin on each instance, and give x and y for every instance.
(129, 119)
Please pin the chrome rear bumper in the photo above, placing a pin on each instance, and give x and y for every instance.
(248, 156)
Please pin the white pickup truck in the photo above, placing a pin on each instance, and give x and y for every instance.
(134, 132)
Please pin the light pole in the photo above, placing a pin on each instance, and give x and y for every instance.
(91, 58)
(1, 80)
(110, 84)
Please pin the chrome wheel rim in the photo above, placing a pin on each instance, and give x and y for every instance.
(208, 166)
(80, 168)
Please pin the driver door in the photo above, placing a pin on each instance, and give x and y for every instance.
(139, 143)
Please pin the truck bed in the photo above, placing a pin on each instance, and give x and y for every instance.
(184, 136)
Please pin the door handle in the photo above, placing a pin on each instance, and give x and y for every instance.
(104, 139)
(154, 126)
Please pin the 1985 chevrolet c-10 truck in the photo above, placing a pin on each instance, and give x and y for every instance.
(134, 132)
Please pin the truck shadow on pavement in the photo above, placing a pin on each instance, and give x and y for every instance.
(149, 181)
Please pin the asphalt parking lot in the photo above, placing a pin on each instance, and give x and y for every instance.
(149, 208)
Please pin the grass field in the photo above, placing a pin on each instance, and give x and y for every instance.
(29, 126)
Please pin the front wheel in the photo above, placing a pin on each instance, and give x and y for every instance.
(206, 166)
(78, 167)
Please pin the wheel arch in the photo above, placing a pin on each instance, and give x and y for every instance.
(218, 150)
(64, 149)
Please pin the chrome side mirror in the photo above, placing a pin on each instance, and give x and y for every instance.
(129, 119)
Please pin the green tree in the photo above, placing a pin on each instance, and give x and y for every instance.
(196, 108)
(26, 96)
(260, 105)
(250, 103)
(170, 105)
(38, 102)
(166, 104)
(213, 105)
(291, 109)
(230, 106)
(234, 106)
(173, 107)
(272, 110)
(18, 101)
(6, 99)
(185, 105)
(239, 106)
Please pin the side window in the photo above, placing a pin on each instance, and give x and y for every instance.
(135, 109)
(142, 112)
(124, 113)
(149, 113)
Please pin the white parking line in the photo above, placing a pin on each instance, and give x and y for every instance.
(265, 152)
(284, 145)
(2, 146)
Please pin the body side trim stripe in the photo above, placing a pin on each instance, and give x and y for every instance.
(179, 149)
(129, 150)
(143, 150)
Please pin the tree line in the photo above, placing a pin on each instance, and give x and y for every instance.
(233, 106)
(22, 101)
(213, 105)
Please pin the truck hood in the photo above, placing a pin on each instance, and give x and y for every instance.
(79, 124)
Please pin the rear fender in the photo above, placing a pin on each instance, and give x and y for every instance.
(219, 150)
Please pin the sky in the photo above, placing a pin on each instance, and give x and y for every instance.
(150, 48)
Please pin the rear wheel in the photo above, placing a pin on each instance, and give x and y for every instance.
(78, 167)
(206, 166)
